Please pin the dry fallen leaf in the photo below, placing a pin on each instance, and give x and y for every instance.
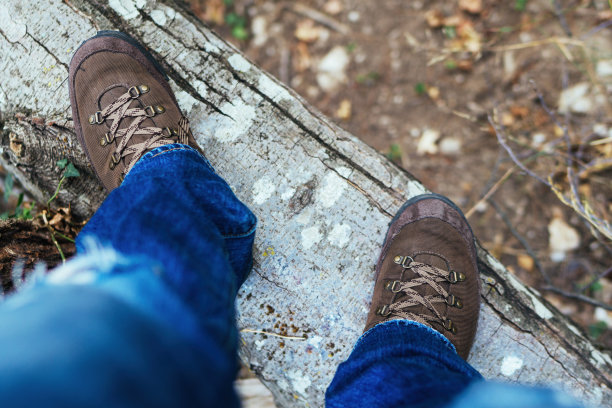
(307, 31)
(434, 18)
(214, 12)
(471, 6)
(525, 262)
(344, 110)
(519, 111)
(303, 60)
(465, 65)
(333, 7)
(433, 92)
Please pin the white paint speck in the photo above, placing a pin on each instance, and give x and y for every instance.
(159, 17)
(311, 236)
(315, 341)
(259, 344)
(127, 9)
(299, 382)
(510, 365)
(229, 130)
(272, 89)
(333, 187)
(288, 193)
(339, 235)
(12, 30)
(344, 171)
(185, 101)
(263, 190)
(239, 63)
(303, 218)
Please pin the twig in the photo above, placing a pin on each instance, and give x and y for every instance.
(522, 240)
(272, 334)
(577, 296)
(595, 279)
(317, 16)
(491, 191)
(54, 196)
(52, 233)
(561, 16)
(502, 142)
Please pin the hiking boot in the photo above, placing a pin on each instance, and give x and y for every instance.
(427, 271)
(122, 105)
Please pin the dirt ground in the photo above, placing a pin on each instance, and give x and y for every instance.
(417, 81)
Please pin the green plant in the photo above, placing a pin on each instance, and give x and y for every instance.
(519, 5)
(449, 32)
(450, 64)
(69, 171)
(394, 153)
(368, 79)
(237, 24)
(23, 211)
(597, 329)
(420, 88)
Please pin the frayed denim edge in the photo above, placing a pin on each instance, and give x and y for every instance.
(407, 323)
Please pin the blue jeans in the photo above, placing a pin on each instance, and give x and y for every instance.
(144, 315)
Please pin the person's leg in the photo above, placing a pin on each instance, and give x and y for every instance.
(152, 325)
(400, 363)
(422, 323)
(144, 316)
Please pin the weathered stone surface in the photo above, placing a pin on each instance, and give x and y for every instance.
(323, 199)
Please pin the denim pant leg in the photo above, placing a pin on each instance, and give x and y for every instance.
(402, 363)
(150, 322)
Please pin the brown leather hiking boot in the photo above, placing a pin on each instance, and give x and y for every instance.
(427, 271)
(122, 105)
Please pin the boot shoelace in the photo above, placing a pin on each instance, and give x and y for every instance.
(425, 275)
(120, 109)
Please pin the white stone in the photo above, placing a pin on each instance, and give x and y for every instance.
(561, 239)
(600, 129)
(575, 99)
(259, 28)
(450, 146)
(353, 16)
(538, 139)
(602, 315)
(604, 68)
(332, 69)
(427, 142)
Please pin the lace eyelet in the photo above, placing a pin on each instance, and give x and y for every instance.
(149, 111)
(393, 286)
(134, 92)
(454, 301)
(96, 118)
(454, 277)
(401, 260)
(383, 310)
(450, 326)
(159, 109)
(115, 158)
(107, 139)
